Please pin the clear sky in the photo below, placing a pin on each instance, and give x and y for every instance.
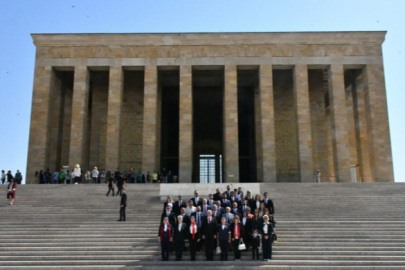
(18, 19)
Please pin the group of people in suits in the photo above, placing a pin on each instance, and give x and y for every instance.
(225, 219)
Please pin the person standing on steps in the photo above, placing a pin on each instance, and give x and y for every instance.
(267, 240)
(236, 229)
(77, 173)
(194, 237)
(318, 176)
(3, 177)
(224, 238)
(165, 237)
(180, 235)
(123, 205)
(120, 184)
(110, 186)
(94, 175)
(11, 190)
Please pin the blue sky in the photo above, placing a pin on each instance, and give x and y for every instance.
(18, 19)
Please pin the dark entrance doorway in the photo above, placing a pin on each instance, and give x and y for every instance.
(208, 125)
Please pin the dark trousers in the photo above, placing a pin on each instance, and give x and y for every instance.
(165, 244)
(209, 248)
(193, 248)
(119, 190)
(267, 249)
(94, 180)
(236, 250)
(78, 179)
(122, 213)
(179, 246)
(224, 245)
(255, 252)
(110, 189)
(2, 181)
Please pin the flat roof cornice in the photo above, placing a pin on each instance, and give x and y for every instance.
(234, 38)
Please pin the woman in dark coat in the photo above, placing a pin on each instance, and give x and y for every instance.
(11, 190)
(193, 237)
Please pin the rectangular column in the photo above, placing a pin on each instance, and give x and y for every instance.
(268, 137)
(340, 135)
(40, 118)
(186, 125)
(231, 141)
(115, 95)
(378, 125)
(149, 154)
(301, 95)
(79, 127)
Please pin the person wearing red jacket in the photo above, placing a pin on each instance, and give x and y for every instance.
(165, 237)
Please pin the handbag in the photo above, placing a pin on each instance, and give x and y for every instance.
(218, 250)
(274, 238)
(241, 246)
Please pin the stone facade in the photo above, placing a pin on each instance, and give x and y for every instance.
(319, 102)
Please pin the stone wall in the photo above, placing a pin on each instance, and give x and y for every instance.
(285, 127)
(132, 121)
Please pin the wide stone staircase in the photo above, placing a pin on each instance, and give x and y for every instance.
(319, 226)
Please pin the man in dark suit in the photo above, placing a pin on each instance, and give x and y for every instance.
(234, 199)
(123, 205)
(244, 206)
(216, 214)
(219, 207)
(196, 199)
(180, 235)
(205, 207)
(210, 200)
(186, 218)
(178, 205)
(235, 210)
(209, 234)
(224, 201)
(170, 215)
(268, 203)
(217, 195)
(199, 216)
(224, 238)
(228, 191)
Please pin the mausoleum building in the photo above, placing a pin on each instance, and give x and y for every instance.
(213, 107)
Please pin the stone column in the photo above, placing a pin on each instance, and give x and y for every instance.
(268, 137)
(115, 95)
(79, 127)
(149, 155)
(340, 135)
(40, 118)
(301, 95)
(378, 125)
(231, 141)
(186, 125)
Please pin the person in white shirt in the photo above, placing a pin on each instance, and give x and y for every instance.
(190, 208)
(77, 173)
(94, 175)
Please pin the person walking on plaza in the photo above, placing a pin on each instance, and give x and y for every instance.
(123, 205)
(267, 233)
(94, 175)
(3, 177)
(165, 237)
(110, 186)
(77, 173)
(224, 238)
(11, 191)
